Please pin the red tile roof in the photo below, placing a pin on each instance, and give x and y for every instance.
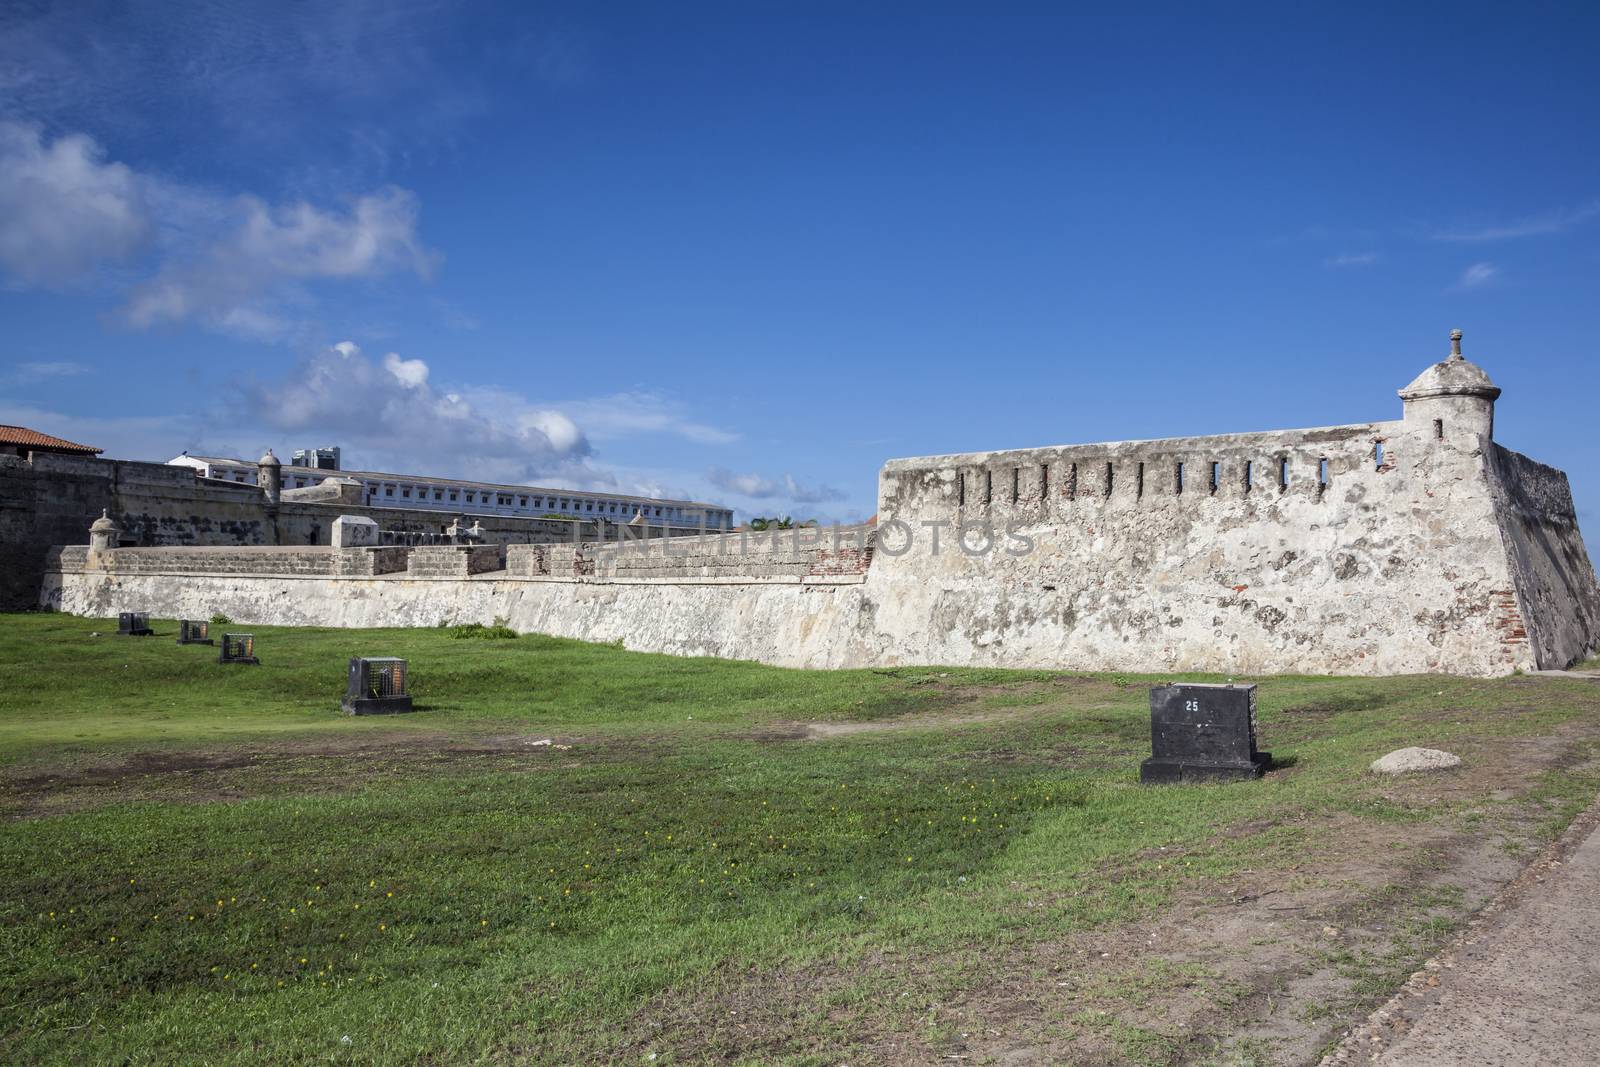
(21, 435)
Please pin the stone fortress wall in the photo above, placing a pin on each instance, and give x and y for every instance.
(1355, 549)
(49, 499)
(1380, 548)
(744, 556)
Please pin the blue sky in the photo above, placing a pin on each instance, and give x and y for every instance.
(747, 252)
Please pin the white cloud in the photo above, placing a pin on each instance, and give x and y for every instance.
(751, 485)
(247, 257)
(561, 431)
(758, 487)
(388, 416)
(36, 372)
(66, 210)
(630, 414)
(1353, 259)
(253, 323)
(411, 373)
(815, 494)
(1478, 275)
(1535, 226)
(387, 413)
(235, 264)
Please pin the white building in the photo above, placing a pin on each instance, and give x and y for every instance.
(478, 498)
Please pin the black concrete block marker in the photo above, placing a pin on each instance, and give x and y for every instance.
(1203, 732)
(238, 648)
(133, 624)
(194, 633)
(377, 687)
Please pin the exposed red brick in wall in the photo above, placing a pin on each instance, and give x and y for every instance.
(1507, 617)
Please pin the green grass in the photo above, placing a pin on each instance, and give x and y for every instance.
(66, 688)
(516, 902)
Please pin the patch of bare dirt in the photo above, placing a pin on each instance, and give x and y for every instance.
(822, 731)
(330, 764)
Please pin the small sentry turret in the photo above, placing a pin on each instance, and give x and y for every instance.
(1452, 398)
(269, 475)
(103, 535)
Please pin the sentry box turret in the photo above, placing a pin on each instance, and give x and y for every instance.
(194, 633)
(238, 648)
(377, 687)
(1203, 732)
(133, 624)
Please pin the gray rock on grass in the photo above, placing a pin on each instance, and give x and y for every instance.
(1403, 760)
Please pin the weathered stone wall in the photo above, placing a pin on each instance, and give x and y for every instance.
(256, 560)
(1305, 550)
(1557, 600)
(49, 499)
(455, 561)
(331, 490)
(311, 523)
(370, 562)
(1381, 548)
(845, 550)
(1370, 549)
(214, 560)
(779, 620)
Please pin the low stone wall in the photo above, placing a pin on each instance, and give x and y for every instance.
(243, 560)
(800, 553)
(545, 561)
(220, 560)
(454, 561)
(788, 622)
(70, 557)
(372, 561)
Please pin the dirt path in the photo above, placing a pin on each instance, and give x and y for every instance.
(1520, 986)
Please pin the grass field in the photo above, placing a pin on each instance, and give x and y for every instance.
(573, 854)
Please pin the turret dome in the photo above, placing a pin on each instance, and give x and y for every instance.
(1452, 376)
